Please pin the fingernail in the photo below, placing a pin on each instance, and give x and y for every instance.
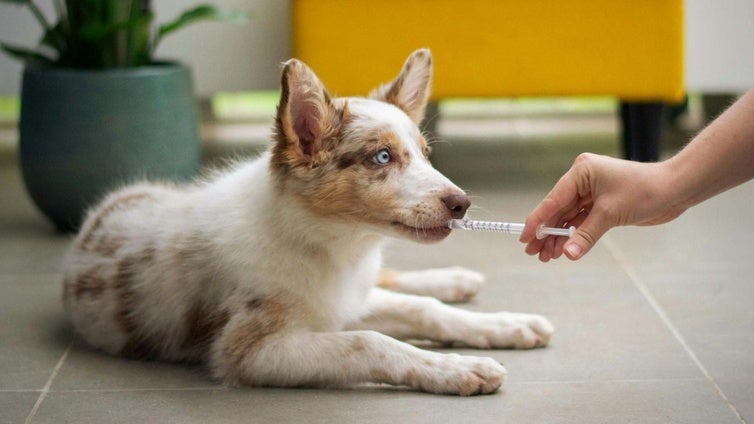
(574, 250)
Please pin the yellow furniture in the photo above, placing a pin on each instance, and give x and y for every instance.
(630, 49)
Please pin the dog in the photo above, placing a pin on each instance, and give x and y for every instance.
(271, 273)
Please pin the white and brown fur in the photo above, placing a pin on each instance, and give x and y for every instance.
(269, 272)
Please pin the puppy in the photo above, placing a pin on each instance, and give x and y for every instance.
(270, 272)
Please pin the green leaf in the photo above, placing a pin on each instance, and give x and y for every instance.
(29, 57)
(138, 35)
(55, 38)
(96, 31)
(200, 13)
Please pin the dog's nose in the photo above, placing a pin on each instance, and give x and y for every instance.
(457, 204)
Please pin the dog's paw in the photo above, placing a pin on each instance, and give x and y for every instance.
(453, 284)
(509, 331)
(459, 375)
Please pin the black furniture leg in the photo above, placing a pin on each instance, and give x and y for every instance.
(641, 130)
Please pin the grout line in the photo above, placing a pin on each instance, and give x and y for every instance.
(20, 390)
(606, 381)
(644, 290)
(47, 386)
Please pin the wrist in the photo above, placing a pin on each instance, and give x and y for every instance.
(680, 186)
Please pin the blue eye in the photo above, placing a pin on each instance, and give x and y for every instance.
(382, 157)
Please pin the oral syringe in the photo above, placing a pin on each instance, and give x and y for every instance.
(507, 228)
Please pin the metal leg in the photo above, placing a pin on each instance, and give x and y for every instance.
(641, 130)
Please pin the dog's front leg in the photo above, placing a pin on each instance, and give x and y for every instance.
(407, 316)
(454, 284)
(348, 358)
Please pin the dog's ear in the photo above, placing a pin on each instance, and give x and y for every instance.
(411, 88)
(305, 115)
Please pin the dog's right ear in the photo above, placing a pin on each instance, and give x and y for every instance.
(305, 117)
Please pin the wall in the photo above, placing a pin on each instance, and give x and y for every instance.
(223, 56)
(719, 45)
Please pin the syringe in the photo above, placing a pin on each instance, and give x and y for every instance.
(507, 228)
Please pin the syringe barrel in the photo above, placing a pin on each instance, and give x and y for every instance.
(489, 226)
(507, 228)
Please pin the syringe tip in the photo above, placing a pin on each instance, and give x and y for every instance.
(455, 224)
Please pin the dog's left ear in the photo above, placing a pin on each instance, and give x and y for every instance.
(410, 90)
(305, 117)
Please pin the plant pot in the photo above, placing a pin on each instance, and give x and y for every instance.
(83, 133)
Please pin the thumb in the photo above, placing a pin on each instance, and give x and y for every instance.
(586, 236)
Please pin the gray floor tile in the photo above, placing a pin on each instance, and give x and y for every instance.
(699, 269)
(680, 401)
(712, 310)
(15, 406)
(87, 369)
(740, 392)
(605, 329)
(27, 255)
(33, 330)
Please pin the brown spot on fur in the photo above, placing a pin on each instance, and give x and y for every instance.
(357, 345)
(350, 158)
(89, 282)
(185, 249)
(380, 174)
(266, 316)
(204, 322)
(361, 144)
(255, 303)
(87, 234)
(107, 245)
(379, 375)
(411, 378)
(137, 346)
(388, 278)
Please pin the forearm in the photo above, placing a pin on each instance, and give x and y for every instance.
(719, 158)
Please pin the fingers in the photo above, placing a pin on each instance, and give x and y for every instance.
(595, 225)
(571, 194)
(569, 203)
(563, 199)
(590, 227)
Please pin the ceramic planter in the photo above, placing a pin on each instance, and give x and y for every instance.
(85, 132)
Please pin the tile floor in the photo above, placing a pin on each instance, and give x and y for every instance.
(654, 326)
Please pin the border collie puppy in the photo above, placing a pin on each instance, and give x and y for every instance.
(271, 272)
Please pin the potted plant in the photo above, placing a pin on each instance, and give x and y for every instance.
(97, 110)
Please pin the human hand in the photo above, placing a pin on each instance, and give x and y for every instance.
(596, 194)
